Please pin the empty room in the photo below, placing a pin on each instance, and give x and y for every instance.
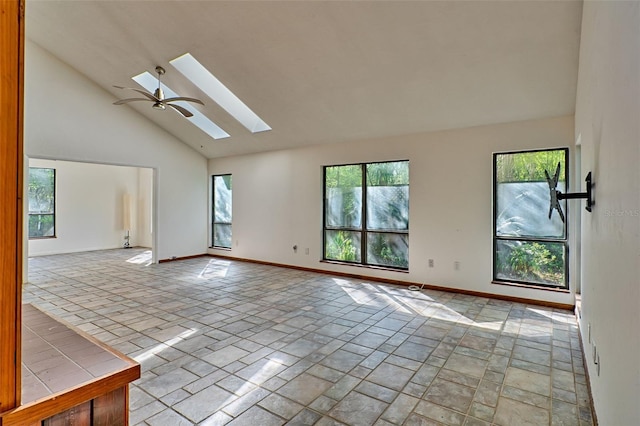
(320, 213)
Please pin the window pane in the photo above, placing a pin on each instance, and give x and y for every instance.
(222, 235)
(388, 249)
(41, 225)
(222, 198)
(343, 191)
(41, 190)
(388, 196)
(523, 209)
(342, 245)
(534, 262)
(388, 207)
(41, 202)
(522, 194)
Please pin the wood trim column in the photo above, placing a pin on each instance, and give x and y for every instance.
(11, 173)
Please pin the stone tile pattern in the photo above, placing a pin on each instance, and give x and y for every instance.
(223, 342)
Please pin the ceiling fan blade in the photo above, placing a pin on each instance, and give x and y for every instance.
(126, 101)
(181, 110)
(142, 92)
(183, 98)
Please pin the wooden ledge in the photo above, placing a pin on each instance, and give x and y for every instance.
(64, 367)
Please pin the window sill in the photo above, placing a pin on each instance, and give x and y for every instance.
(357, 265)
(220, 248)
(532, 286)
(43, 238)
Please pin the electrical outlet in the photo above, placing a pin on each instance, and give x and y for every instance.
(306, 251)
(456, 265)
(430, 263)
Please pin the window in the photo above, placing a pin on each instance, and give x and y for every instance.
(222, 211)
(42, 202)
(369, 227)
(529, 248)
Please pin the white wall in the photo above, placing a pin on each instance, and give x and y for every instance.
(608, 127)
(89, 207)
(277, 201)
(83, 125)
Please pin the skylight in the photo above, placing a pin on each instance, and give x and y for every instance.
(150, 82)
(209, 84)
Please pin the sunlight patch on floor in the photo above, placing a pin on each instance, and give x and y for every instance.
(144, 258)
(215, 268)
(164, 345)
(414, 303)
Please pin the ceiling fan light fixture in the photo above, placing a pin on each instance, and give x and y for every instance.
(159, 93)
(159, 105)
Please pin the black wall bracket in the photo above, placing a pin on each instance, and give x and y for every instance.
(588, 194)
(555, 196)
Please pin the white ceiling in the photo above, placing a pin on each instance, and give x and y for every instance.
(329, 72)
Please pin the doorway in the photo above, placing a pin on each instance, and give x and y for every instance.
(74, 207)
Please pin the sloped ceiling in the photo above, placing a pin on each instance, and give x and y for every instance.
(329, 72)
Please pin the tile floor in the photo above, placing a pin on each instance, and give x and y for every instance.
(236, 343)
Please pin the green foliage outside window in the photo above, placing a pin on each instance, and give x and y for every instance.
(388, 174)
(534, 262)
(388, 249)
(529, 166)
(340, 245)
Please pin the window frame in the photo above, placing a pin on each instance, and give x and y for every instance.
(213, 212)
(53, 215)
(564, 240)
(363, 230)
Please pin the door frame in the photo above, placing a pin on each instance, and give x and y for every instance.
(11, 180)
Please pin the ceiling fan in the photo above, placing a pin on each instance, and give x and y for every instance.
(159, 102)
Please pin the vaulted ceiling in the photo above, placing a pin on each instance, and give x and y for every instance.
(328, 72)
